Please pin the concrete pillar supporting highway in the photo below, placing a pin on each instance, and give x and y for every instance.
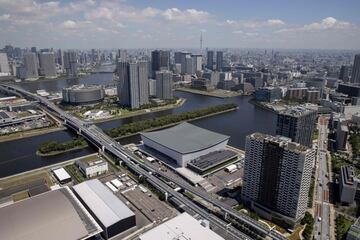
(166, 196)
(103, 148)
(65, 121)
(226, 216)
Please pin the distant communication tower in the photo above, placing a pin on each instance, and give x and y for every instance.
(201, 41)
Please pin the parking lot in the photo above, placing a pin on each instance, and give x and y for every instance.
(223, 179)
(149, 204)
(139, 196)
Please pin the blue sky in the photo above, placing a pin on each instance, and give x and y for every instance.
(325, 24)
(300, 11)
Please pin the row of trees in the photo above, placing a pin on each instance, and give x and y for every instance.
(139, 126)
(309, 221)
(54, 146)
(354, 140)
(135, 127)
(342, 226)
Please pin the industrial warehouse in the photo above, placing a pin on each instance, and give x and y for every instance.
(53, 215)
(185, 142)
(110, 212)
(81, 212)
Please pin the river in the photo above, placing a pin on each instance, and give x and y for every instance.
(20, 155)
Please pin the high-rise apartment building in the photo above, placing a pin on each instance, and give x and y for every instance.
(297, 123)
(31, 66)
(133, 85)
(143, 82)
(355, 76)
(347, 184)
(277, 176)
(219, 60)
(344, 73)
(4, 63)
(152, 87)
(210, 60)
(60, 57)
(197, 62)
(177, 57)
(122, 54)
(185, 61)
(47, 64)
(160, 60)
(70, 63)
(189, 65)
(164, 85)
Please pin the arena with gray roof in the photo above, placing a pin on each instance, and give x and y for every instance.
(184, 142)
(55, 215)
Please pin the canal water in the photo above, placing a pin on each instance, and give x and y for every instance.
(20, 155)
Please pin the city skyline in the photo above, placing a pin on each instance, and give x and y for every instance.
(164, 24)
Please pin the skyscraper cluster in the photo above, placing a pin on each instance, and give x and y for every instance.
(160, 60)
(188, 63)
(218, 63)
(133, 84)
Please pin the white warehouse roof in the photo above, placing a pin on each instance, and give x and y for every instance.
(181, 227)
(61, 174)
(108, 208)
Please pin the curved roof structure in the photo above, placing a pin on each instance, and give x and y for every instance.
(186, 138)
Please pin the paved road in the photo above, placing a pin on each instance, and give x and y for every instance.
(322, 208)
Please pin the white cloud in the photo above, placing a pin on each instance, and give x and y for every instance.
(275, 22)
(4, 17)
(186, 16)
(230, 22)
(69, 24)
(120, 25)
(254, 24)
(252, 34)
(100, 29)
(328, 23)
(100, 13)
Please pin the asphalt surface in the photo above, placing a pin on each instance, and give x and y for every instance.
(322, 208)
